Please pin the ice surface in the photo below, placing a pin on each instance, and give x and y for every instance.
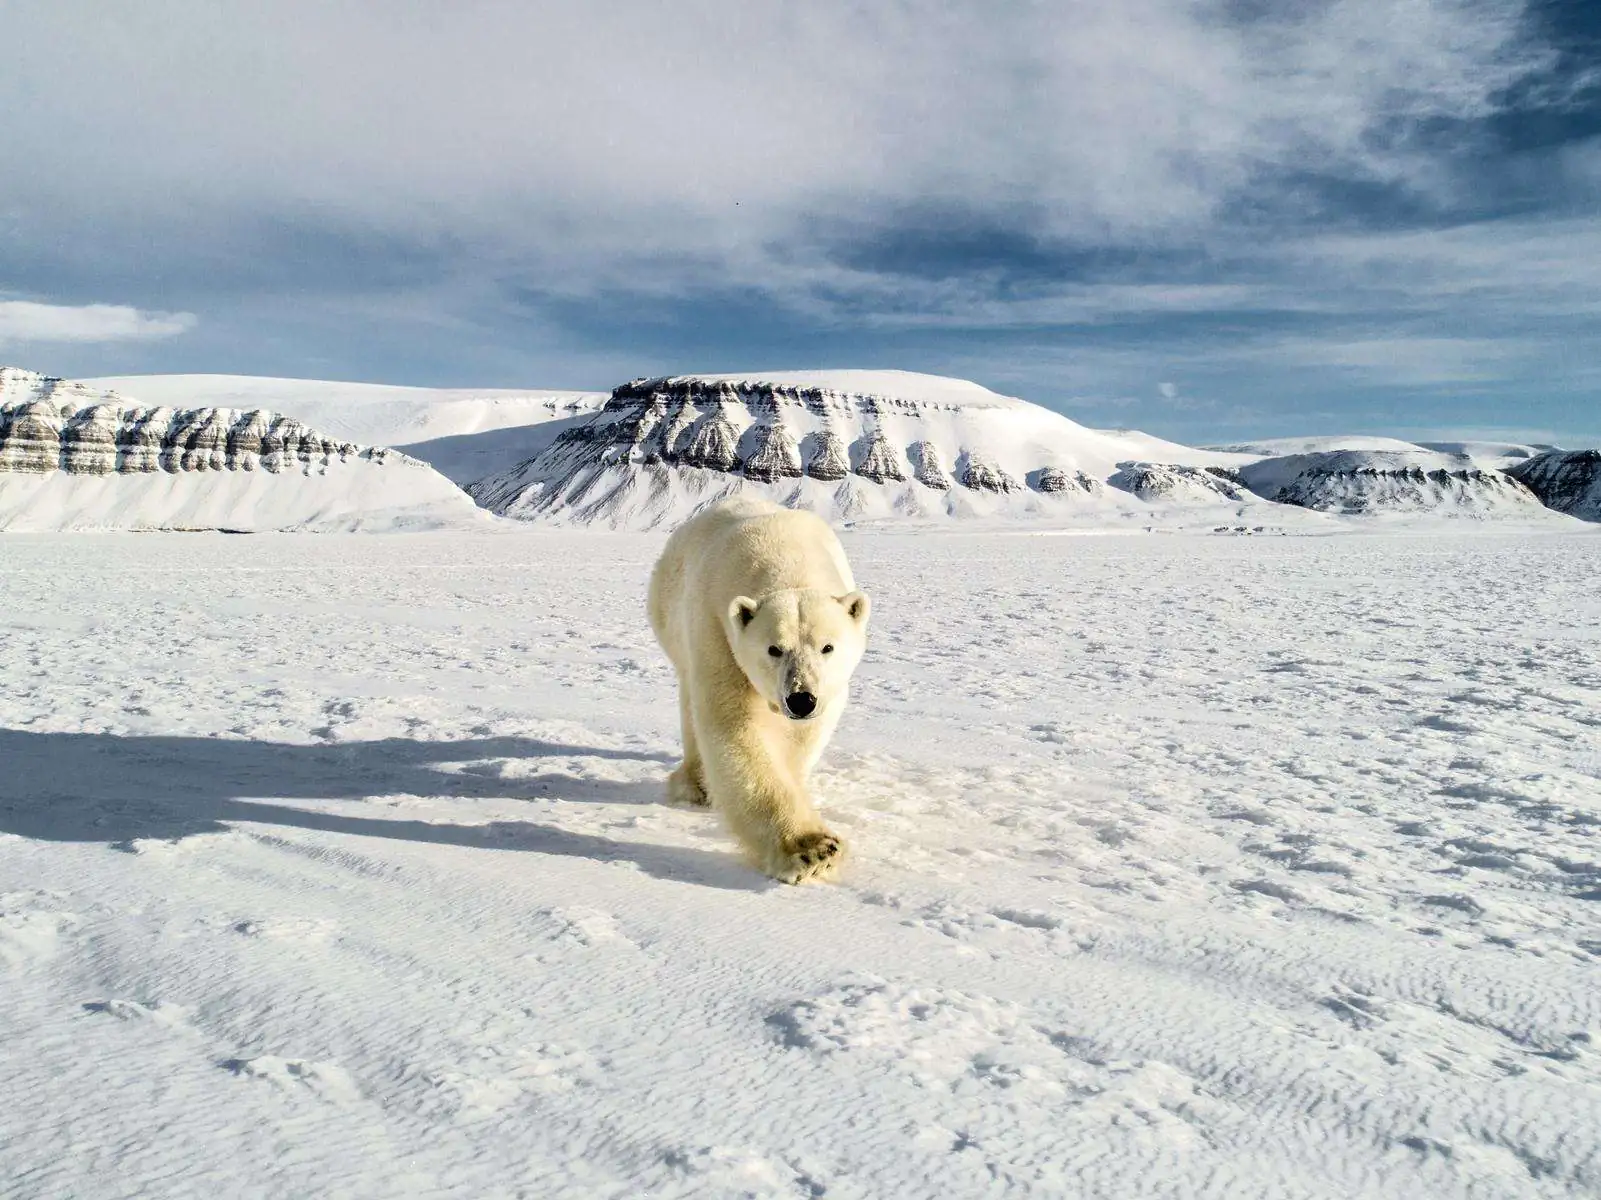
(1184, 866)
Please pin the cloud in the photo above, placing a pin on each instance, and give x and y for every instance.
(1418, 361)
(1275, 205)
(615, 130)
(27, 321)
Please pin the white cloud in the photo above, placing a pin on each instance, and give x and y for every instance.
(524, 166)
(28, 321)
(580, 130)
(1403, 360)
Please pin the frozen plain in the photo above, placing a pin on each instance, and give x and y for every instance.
(1184, 866)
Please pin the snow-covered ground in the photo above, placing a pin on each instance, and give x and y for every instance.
(357, 496)
(1184, 866)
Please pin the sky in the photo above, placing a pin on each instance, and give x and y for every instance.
(1210, 219)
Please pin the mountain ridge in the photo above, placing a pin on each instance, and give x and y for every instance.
(854, 445)
(76, 456)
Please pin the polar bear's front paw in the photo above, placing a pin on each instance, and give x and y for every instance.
(809, 856)
(684, 787)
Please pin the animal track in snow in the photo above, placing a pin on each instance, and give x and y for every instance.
(992, 1071)
(976, 927)
(311, 930)
(932, 1034)
(169, 1016)
(588, 927)
(728, 1171)
(326, 1081)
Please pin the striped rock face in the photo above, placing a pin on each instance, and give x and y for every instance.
(46, 426)
(851, 445)
(77, 457)
(89, 441)
(30, 438)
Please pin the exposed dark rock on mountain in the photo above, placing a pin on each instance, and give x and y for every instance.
(38, 438)
(774, 454)
(828, 460)
(54, 431)
(926, 467)
(72, 457)
(1566, 480)
(983, 476)
(855, 445)
(877, 445)
(879, 459)
(1351, 481)
(1052, 480)
(30, 438)
(89, 441)
(1170, 481)
(712, 445)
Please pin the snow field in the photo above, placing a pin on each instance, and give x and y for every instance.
(1184, 866)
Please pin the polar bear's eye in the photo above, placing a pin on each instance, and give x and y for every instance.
(828, 649)
(775, 651)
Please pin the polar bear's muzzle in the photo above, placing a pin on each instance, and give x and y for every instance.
(800, 706)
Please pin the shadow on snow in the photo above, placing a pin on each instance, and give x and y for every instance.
(93, 787)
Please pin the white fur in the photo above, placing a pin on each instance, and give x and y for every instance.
(735, 581)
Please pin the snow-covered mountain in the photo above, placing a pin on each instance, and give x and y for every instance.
(865, 445)
(463, 433)
(1566, 480)
(74, 455)
(1375, 476)
(851, 445)
(1500, 455)
(1320, 444)
(1390, 481)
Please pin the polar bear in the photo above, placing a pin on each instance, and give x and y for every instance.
(756, 608)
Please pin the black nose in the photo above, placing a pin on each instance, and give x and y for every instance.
(800, 704)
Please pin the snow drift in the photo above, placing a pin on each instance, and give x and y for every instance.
(76, 457)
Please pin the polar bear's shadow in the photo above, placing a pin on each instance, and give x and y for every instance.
(97, 787)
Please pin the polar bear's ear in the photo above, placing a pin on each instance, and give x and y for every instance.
(856, 604)
(742, 611)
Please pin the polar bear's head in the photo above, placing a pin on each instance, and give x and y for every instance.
(798, 648)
